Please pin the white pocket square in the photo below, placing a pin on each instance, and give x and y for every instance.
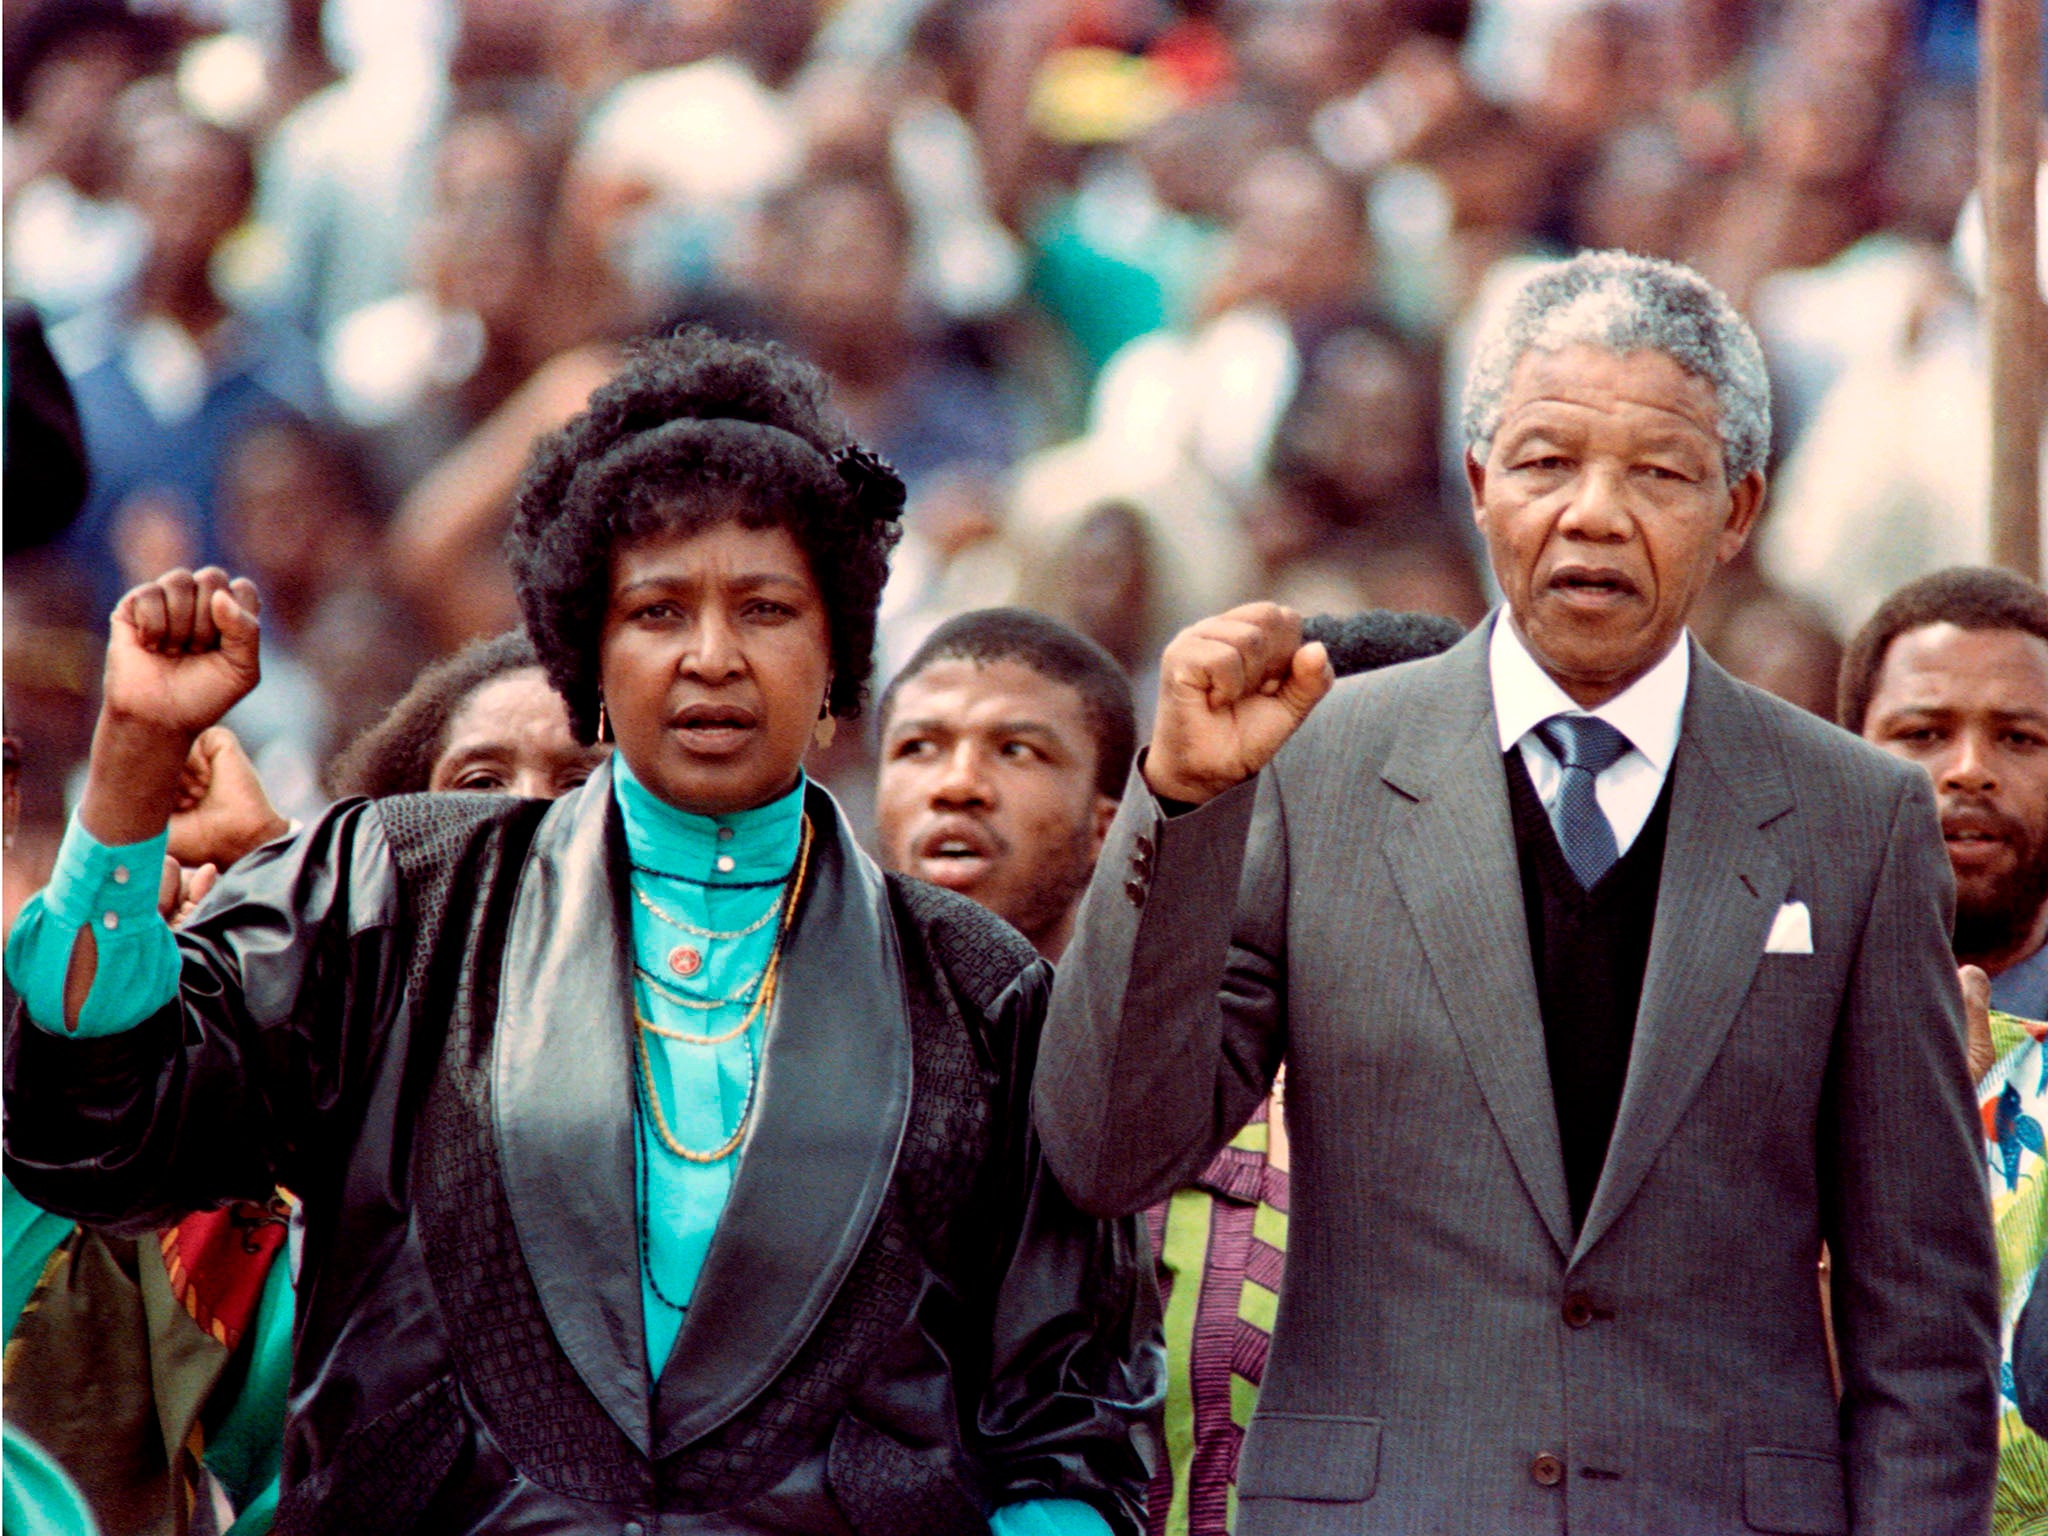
(1791, 931)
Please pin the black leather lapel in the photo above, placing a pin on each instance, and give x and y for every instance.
(1453, 859)
(1720, 889)
(562, 1084)
(834, 1096)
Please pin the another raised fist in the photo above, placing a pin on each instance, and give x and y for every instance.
(222, 811)
(1232, 689)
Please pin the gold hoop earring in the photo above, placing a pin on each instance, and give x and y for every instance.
(823, 732)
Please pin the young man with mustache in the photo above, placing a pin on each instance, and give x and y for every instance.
(1006, 742)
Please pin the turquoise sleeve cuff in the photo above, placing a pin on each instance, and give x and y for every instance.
(114, 890)
(1049, 1517)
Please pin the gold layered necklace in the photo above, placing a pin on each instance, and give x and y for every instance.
(686, 959)
(700, 1004)
(764, 999)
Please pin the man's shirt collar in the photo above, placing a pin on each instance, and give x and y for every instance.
(1648, 712)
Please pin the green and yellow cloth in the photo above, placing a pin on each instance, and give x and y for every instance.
(2013, 1099)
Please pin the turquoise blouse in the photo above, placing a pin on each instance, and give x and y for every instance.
(707, 893)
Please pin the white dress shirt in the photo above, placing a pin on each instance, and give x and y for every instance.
(1648, 712)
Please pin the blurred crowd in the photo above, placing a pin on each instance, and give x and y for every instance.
(1157, 306)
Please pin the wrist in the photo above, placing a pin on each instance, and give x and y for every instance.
(1169, 785)
(131, 784)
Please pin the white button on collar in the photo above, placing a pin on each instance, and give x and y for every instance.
(725, 864)
(120, 874)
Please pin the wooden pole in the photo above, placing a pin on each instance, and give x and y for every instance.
(2008, 152)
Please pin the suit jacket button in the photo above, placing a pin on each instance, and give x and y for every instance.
(1547, 1470)
(1578, 1311)
(1135, 889)
(1144, 845)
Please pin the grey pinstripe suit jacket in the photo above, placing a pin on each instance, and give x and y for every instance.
(1357, 910)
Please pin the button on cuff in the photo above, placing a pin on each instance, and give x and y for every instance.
(87, 879)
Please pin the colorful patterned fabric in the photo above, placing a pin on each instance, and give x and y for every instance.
(2013, 1097)
(1220, 1248)
(134, 1375)
(219, 1263)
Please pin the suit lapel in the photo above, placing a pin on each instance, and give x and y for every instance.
(1452, 853)
(834, 1097)
(1720, 888)
(563, 1095)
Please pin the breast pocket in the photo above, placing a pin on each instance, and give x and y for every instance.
(1320, 1457)
(1795, 1492)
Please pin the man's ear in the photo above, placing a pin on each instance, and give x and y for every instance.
(1745, 504)
(1105, 813)
(1475, 477)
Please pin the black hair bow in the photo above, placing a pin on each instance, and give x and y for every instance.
(877, 489)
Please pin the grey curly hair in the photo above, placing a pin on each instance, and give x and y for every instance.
(1625, 303)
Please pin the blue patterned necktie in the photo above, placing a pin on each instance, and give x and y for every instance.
(1585, 747)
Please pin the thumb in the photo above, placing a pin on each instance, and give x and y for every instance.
(234, 612)
(199, 881)
(206, 750)
(1976, 983)
(1309, 677)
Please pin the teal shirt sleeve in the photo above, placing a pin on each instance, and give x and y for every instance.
(32, 1235)
(114, 890)
(36, 1498)
(1049, 1517)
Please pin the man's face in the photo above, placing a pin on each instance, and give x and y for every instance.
(988, 788)
(1606, 508)
(1971, 707)
(191, 190)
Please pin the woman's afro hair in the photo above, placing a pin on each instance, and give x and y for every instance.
(694, 430)
(396, 756)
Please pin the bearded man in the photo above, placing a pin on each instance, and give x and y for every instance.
(1952, 673)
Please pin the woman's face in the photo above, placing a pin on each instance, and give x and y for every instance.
(511, 737)
(715, 660)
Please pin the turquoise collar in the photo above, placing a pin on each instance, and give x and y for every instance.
(751, 847)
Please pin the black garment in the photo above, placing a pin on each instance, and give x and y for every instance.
(2030, 1359)
(1590, 950)
(416, 1016)
(46, 469)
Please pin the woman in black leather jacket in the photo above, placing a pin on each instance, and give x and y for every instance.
(667, 1167)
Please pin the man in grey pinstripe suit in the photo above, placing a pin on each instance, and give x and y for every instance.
(1609, 990)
